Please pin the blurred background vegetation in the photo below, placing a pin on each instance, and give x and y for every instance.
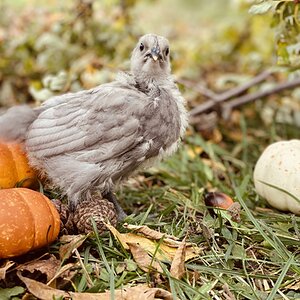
(52, 47)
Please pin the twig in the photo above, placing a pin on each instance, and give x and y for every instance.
(227, 107)
(215, 99)
(88, 278)
(244, 87)
(200, 88)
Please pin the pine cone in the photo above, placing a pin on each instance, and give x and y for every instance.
(101, 210)
(66, 223)
(62, 210)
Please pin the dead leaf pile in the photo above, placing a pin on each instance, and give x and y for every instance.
(150, 247)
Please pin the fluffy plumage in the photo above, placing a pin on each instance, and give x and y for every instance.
(87, 141)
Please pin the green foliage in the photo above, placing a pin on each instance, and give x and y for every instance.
(58, 52)
(10, 293)
(84, 43)
(286, 21)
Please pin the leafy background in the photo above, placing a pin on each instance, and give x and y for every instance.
(51, 47)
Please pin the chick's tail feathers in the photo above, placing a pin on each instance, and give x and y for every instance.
(14, 123)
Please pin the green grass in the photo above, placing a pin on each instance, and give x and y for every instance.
(257, 258)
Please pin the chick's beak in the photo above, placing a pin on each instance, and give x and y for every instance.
(155, 53)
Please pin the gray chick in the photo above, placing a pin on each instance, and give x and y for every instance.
(86, 142)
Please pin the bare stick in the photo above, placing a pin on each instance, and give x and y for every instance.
(243, 87)
(215, 99)
(227, 107)
(87, 276)
(201, 89)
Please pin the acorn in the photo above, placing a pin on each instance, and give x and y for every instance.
(217, 199)
(223, 201)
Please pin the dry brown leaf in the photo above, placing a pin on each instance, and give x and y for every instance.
(65, 272)
(177, 267)
(40, 290)
(119, 236)
(150, 246)
(72, 242)
(48, 267)
(3, 269)
(143, 259)
(148, 232)
(165, 251)
(151, 234)
(295, 285)
(140, 292)
(143, 292)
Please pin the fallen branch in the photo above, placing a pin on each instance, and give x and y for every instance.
(229, 106)
(216, 99)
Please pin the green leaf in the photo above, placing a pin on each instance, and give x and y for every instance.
(262, 8)
(7, 294)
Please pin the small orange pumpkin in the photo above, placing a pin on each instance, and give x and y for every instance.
(28, 220)
(14, 167)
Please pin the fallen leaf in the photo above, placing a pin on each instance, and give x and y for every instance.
(7, 294)
(143, 292)
(72, 242)
(166, 250)
(139, 292)
(3, 269)
(48, 267)
(148, 232)
(295, 285)
(177, 269)
(194, 152)
(143, 259)
(64, 272)
(41, 290)
(119, 236)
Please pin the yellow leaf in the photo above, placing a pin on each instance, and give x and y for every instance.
(177, 267)
(119, 236)
(143, 259)
(195, 151)
(148, 232)
(167, 247)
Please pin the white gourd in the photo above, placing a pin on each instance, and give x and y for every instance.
(279, 165)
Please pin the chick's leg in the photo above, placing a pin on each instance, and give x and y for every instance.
(110, 196)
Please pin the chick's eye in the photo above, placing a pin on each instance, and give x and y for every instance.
(167, 51)
(142, 46)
